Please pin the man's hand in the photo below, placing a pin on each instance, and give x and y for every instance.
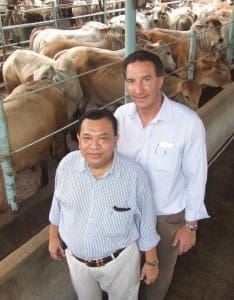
(55, 249)
(149, 273)
(185, 238)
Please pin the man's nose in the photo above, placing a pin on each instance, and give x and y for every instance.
(95, 143)
(139, 87)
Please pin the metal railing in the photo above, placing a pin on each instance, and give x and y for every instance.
(5, 153)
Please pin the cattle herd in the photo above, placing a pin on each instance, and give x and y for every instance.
(64, 72)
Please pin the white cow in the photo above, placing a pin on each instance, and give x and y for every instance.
(90, 31)
(208, 33)
(25, 65)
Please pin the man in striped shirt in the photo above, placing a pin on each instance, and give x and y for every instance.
(103, 212)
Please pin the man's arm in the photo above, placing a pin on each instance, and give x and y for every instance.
(150, 269)
(55, 249)
(186, 237)
(194, 168)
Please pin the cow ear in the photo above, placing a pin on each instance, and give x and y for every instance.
(29, 78)
(147, 13)
(149, 47)
(195, 17)
(198, 27)
(141, 38)
(105, 30)
(160, 43)
(56, 79)
(216, 54)
(143, 43)
(167, 8)
(208, 62)
(139, 3)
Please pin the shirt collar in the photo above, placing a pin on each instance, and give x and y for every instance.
(165, 112)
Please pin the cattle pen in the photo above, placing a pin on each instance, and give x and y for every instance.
(32, 255)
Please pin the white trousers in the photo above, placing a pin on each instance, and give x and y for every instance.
(120, 278)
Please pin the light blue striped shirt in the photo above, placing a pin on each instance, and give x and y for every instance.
(83, 207)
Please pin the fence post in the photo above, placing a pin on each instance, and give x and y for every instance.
(130, 36)
(192, 52)
(230, 39)
(104, 12)
(55, 12)
(2, 38)
(130, 32)
(7, 169)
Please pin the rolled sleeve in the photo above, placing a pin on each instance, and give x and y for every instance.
(54, 213)
(148, 236)
(195, 171)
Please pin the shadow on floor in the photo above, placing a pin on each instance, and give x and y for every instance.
(207, 271)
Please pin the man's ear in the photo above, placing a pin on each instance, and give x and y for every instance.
(78, 137)
(116, 138)
(161, 81)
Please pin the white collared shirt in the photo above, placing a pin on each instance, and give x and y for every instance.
(172, 150)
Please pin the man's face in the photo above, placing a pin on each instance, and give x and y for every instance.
(143, 85)
(97, 143)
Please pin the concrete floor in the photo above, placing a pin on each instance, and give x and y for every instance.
(207, 271)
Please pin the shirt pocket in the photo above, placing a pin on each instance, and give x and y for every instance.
(165, 157)
(116, 223)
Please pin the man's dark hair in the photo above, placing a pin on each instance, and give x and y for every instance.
(142, 55)
(97, 114)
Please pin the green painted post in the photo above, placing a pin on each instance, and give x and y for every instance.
(130, 28)
(230, 40)
(192, 53)
(6, 166)
(130, 32)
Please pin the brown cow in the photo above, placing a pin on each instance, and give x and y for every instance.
(187, 92)
(210, 69)
(30, 118)
(105, 86)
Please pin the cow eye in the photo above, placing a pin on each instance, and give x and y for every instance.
(56, 79)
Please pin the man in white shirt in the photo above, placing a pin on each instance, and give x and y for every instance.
(168, 140)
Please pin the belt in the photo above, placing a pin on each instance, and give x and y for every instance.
(99, 262)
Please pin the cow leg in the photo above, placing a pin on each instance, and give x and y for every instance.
(44, 180)
(59, 147)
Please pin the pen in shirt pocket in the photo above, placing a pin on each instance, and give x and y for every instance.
(116, 208)
(156, 149)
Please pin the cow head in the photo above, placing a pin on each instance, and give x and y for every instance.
(160, 16)
(164, 52)
(63, 73)
(191, 93)
(215, 72)
(209, 31)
